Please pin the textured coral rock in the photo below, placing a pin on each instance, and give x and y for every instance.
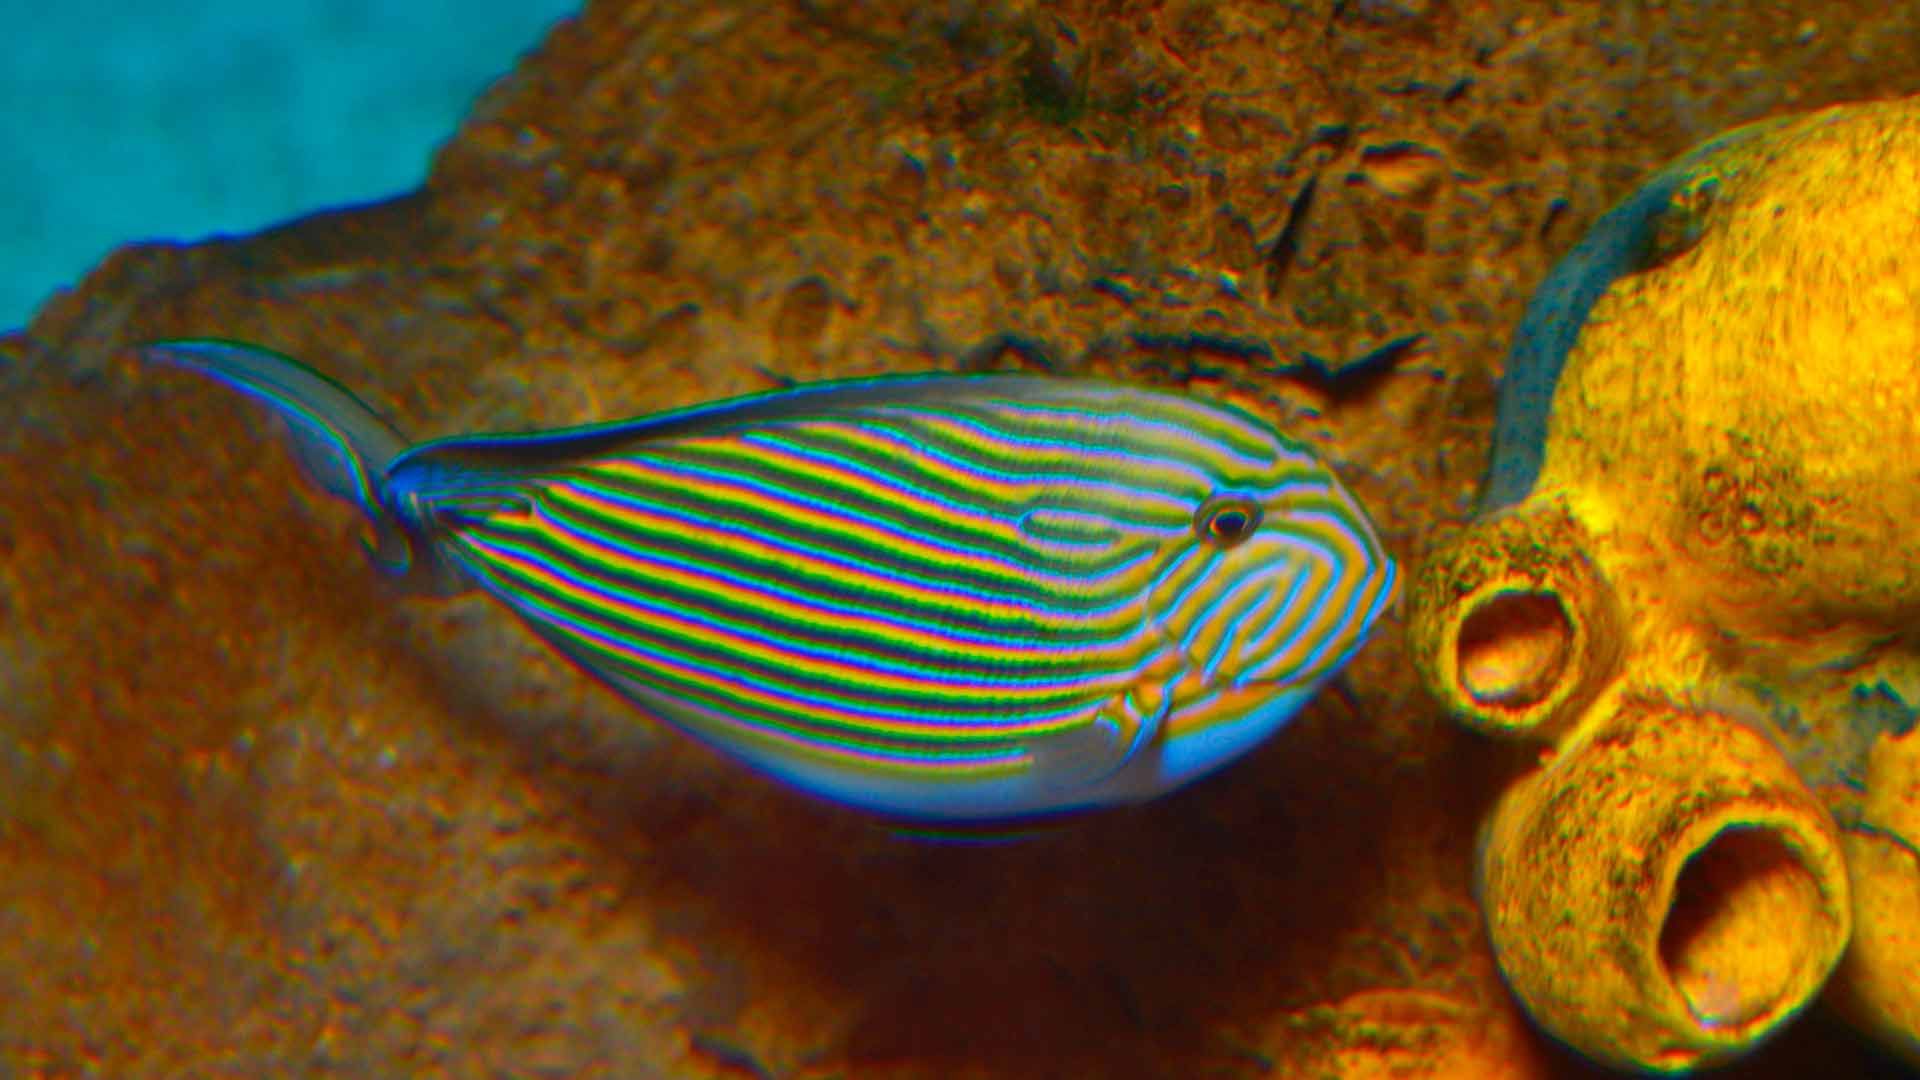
(259, 815)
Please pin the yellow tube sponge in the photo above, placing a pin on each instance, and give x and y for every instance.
(1512, 627)
(1694, 587)
(1666, 892)
(1878, 984)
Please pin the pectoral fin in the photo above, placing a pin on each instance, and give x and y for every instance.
(1093, 752)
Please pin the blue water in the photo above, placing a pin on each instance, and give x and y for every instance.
(142, 119)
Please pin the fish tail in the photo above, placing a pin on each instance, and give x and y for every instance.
(342, 444)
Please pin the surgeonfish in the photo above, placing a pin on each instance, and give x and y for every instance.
(941, 598)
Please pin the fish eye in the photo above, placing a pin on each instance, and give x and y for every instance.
(1227, 520)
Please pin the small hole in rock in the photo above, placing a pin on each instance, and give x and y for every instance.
(1513, 648)
(1745, 921)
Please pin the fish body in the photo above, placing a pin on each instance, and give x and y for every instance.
(940, 598)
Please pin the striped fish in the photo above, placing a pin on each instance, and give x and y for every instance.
(938, 597)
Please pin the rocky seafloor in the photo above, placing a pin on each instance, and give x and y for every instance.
(261, 815)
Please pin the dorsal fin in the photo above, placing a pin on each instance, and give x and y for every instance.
(534, 449)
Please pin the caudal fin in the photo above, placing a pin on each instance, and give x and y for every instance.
(342, 444)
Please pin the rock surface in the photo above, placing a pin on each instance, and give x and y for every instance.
(259, 815)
